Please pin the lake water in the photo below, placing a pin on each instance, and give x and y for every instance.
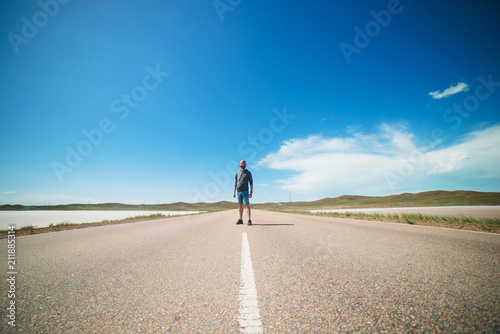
(45, 218)
(467, 211)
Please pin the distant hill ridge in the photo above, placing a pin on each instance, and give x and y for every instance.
(427, 198)
(178, 206)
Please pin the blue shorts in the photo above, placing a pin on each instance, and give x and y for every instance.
(242, 196)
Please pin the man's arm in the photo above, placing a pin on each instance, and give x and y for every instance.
(250, 180)
(235, 181)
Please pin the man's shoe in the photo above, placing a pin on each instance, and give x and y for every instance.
(249, 222)
(239, 222)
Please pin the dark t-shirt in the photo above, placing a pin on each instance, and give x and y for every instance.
(241, 180)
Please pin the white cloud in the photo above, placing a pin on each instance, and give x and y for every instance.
(460, 87)
(478, 154)
(383, 162)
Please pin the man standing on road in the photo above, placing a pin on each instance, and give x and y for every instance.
(242, 179)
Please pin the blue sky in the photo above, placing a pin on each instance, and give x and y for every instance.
(157, 101)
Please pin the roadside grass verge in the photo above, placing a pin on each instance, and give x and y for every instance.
(66, 225)
(459, 222)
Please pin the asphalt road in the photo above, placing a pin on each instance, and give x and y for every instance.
(299, 274)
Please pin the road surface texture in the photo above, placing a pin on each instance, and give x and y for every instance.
(287, 274)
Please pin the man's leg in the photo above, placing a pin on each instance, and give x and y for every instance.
(241, 210)
(248, 211)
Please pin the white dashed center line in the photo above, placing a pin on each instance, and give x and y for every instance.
(249, 317)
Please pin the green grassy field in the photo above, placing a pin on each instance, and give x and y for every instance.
(428, 198)
(458, 222)
(423, 199)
